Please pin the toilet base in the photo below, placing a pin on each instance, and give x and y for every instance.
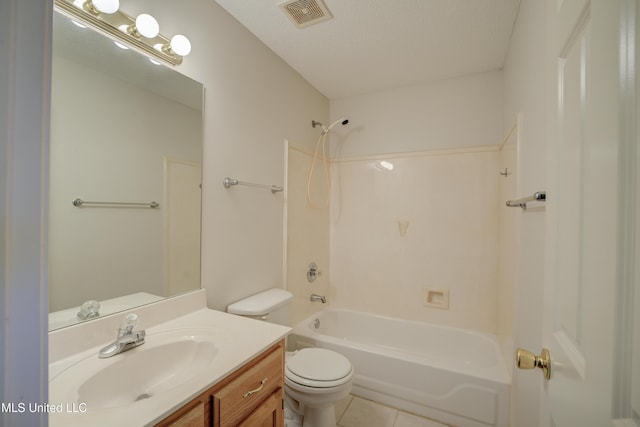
(297, 415)
(318, 412)
(292, 414)
(319, 417)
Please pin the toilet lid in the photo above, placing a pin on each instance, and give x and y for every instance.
(319, 364)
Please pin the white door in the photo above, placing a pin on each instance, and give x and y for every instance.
(583, 211)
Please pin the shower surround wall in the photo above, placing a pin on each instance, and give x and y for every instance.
(508, 232)
(449, 202)
(444, 138)
(307, 232)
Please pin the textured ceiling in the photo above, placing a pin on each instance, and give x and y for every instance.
(372, 45)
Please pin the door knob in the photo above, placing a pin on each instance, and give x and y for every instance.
(527, 360)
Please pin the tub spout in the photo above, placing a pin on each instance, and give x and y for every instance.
(321, 298)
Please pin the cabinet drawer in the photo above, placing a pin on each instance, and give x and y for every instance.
(238, 398)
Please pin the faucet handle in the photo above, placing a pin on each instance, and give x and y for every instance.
(128, 323)
(313, 272)
(139, 335)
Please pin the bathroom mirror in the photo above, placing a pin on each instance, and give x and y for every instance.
(123, 130)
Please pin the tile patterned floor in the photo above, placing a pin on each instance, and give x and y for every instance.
(355, 411)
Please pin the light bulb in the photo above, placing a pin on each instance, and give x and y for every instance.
(180, 45)
(106, 6)
(147, 25)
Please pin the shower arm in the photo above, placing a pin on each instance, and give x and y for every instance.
(324, 128)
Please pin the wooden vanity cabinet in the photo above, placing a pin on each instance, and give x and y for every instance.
(197, 413)
(252, 396)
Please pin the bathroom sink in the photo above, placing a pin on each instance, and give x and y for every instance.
(166, 361)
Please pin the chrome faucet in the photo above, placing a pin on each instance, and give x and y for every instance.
(320, 298)
(89, 310)
(127, 338)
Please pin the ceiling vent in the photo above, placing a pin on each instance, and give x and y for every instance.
(305, 12)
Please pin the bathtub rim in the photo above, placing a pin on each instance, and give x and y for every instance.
(500, 373)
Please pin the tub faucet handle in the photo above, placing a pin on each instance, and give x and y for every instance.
(313, 272)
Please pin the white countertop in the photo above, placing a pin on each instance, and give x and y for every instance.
(237, 339)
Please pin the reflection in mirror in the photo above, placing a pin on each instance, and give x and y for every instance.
(122, 130)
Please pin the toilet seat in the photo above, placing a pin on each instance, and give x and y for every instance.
(318, 368)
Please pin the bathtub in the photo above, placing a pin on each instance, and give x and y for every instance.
(451, 375)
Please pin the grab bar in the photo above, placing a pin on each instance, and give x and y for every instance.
(539, 196)
(228, 182)
(79, 202)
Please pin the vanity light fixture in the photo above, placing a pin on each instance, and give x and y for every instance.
(145, 26)
(179, 45)
(97, 7)
(141, 33)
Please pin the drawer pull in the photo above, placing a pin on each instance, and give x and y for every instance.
(250, 392)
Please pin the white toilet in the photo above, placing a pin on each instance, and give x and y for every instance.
(315, 378)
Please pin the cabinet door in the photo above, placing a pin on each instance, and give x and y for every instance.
(268, 414)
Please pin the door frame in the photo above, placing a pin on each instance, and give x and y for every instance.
(627, 280)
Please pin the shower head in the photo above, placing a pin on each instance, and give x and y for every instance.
(343, 121)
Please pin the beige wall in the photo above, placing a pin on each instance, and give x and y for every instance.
(458, 112)
(253, 102)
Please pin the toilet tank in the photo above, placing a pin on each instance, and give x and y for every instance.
(273, 305)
